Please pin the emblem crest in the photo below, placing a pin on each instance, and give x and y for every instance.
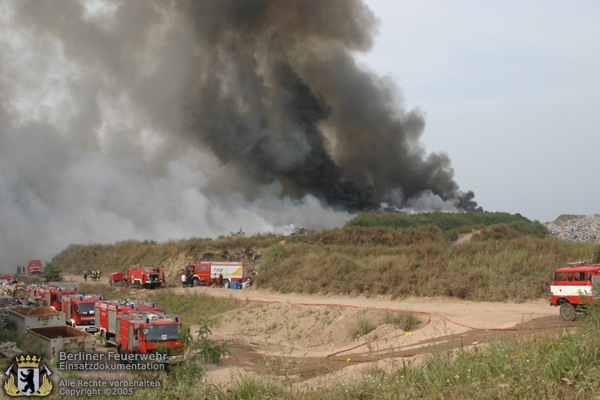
(28, 379)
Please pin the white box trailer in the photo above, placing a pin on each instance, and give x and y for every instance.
(206, 271)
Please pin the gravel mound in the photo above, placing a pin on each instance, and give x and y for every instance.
(576, 228)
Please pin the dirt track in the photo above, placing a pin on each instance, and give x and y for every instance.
(285, 339)
(305, 337)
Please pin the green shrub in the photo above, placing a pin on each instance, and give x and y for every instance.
(405, 321)
(361, 328)
(52, 273)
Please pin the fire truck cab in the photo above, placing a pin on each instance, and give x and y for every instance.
(145, 277)
(79, 311)
(34, 267)
(572, 288)
(146, 332)
(106, 312)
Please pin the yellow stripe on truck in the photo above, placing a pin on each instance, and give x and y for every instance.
(238, 271)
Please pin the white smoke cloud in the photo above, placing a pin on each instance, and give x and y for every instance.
(423, 202)
(87, 150)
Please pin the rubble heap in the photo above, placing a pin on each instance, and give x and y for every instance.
(576, 228)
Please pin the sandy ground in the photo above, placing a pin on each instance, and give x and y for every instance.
(307, 338)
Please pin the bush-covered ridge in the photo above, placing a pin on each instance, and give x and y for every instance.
(450, 223)
(508, 257)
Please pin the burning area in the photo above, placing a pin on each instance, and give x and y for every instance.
(163, 120)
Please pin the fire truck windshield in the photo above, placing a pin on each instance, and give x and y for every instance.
(161, 333)
(85, 309)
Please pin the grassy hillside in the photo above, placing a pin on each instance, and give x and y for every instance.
(508, 257)
(171, 255)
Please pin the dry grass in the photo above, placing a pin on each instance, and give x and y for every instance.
(380, 254)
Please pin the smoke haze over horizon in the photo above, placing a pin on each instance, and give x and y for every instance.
(167, 120)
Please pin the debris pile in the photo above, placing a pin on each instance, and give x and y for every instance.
(576, 228)
(10, 350)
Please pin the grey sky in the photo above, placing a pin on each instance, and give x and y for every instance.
(510, 90)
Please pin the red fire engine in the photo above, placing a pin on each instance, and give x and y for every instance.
(34, 267)
(146, 332)
(79, 311)
(145, 277)
(106, 311)
(572, 288)
(52, 295)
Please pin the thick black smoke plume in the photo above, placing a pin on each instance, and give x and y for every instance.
(136, 119)
(279, 93)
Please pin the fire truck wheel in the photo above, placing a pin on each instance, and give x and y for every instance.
(196, 282)
(567, 311)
